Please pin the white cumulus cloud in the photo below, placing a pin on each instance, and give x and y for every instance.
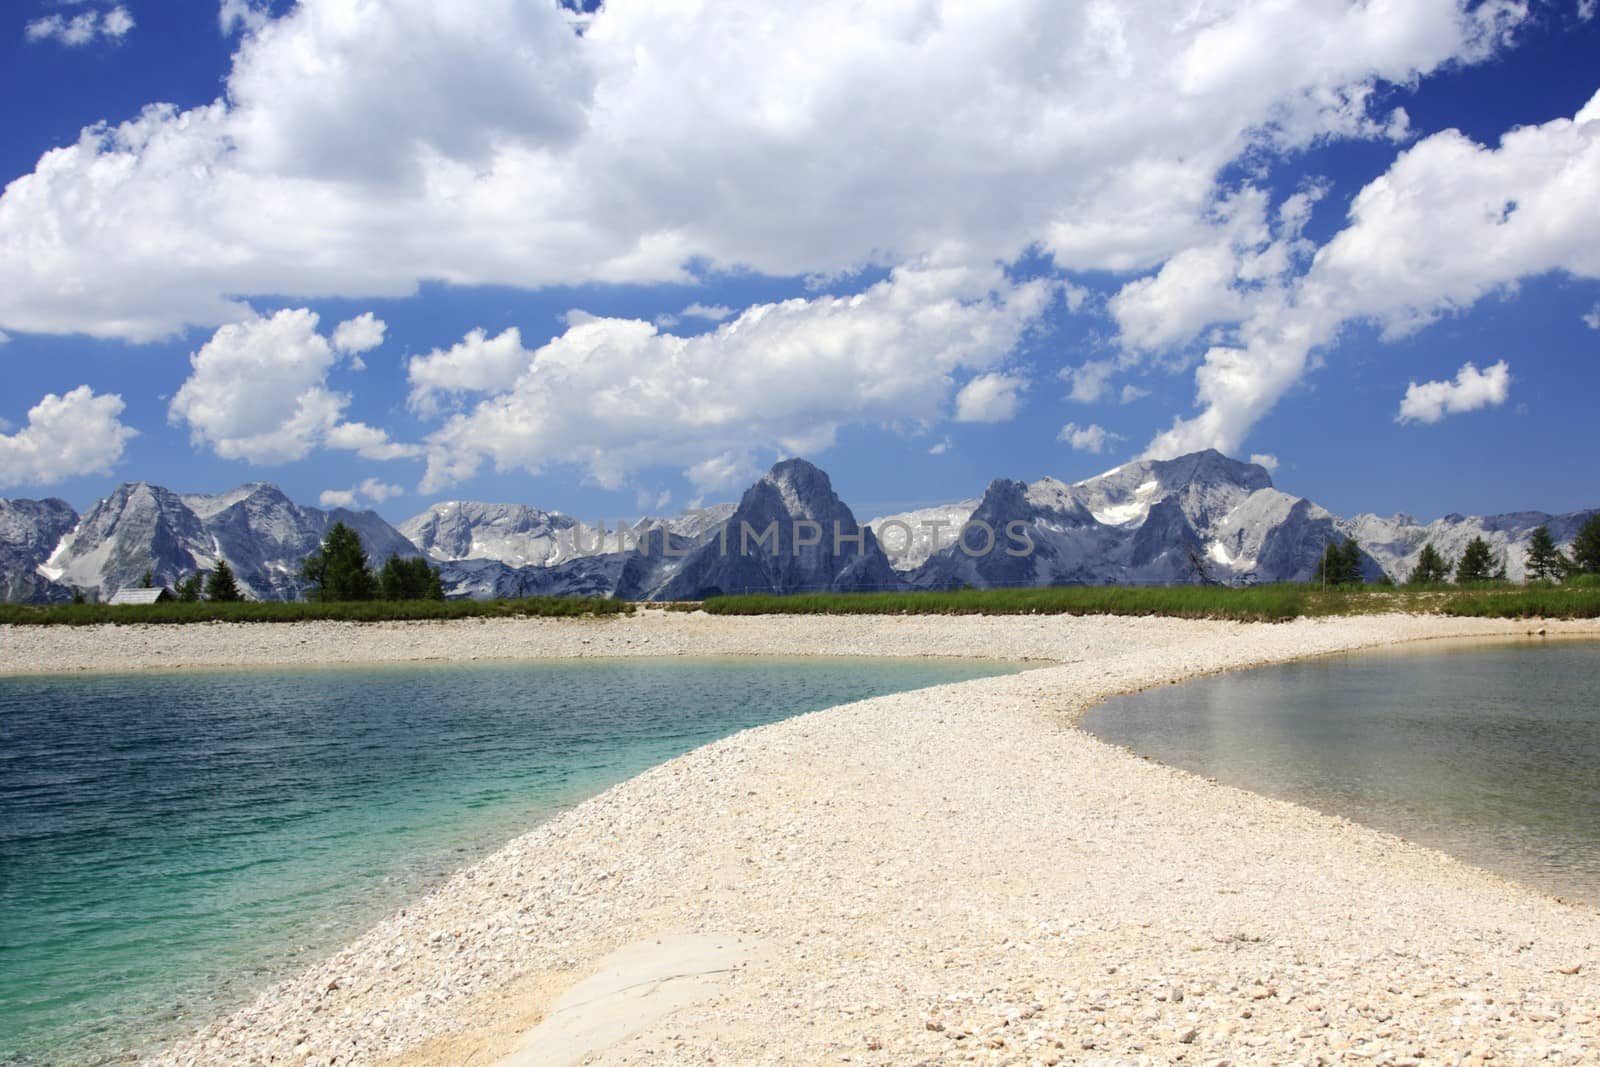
(510, 148)
(1251, 252)
(990, 398)
(727, 470)
(477, 364)
(1089, 380)
(1472, 390)
(360, 334)
(66, 436)
(1193, 289)
(370, 491)
(1592, 320)
(246, 15)
(617, 395)
(337, 498)
(1264, 459)
(75, 31)
(1089, 438)
(526, 145)
(258, 391)
(711, 312)
(369, 442)
(1449, 223)
(116, 23)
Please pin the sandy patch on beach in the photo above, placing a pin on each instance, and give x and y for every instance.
(955, 874)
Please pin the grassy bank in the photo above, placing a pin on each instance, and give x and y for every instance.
(362, 611)
(1526, 604)
(1269, 603)
(1272, 603)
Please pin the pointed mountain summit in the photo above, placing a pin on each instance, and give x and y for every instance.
(1207, 485)
(1020, 534)
(790, 533)
(139, 527)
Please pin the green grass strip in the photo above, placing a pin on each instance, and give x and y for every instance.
(1267, 603)
(269, 612)
(1270, 603)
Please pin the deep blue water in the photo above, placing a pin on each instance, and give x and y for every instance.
(1488, 752)
(171, 842)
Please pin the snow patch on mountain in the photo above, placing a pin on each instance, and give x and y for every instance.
(1130, 511)
(30, 530)
(928, 526)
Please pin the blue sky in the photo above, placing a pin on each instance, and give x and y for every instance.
(921, 247)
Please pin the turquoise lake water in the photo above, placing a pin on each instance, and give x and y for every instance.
(173, 842)
(1488, 752)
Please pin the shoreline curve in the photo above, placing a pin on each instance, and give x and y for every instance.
(951, 873)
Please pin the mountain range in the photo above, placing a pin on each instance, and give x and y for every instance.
(1146, 522)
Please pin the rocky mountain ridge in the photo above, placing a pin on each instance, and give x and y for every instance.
(262, 534)
(817, 545)
(1145, 522)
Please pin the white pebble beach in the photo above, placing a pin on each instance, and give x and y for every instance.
(956, 874)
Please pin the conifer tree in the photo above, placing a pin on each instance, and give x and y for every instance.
(1544, 559)
(1476, 563)
(1352, 563)
(410, 579)
(338, 570)
(1341, 564)
(1586, 547)
(221, 587)
(1432, 567)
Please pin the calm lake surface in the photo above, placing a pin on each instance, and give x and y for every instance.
(171, 843)
(1490, 753)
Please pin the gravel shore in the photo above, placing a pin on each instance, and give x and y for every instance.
(951, 875)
